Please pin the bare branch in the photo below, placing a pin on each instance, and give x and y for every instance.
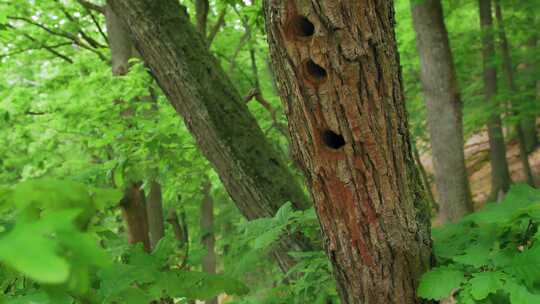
(91, 41)
(50, 49)
(62, 34)
(91, 6)
(96, 23)
(217, 26)
(31, 48)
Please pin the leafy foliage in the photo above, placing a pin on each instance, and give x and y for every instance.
(49, 241)
(74, 136)
(491, 256)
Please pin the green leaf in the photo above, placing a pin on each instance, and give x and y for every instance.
(284, 214)
(267, 238)
(439, 283)
(519, 294)
(131, 295)
(484, 283)
(106, 198)
(526, 265)
(29, 249)
(477, 256)
(199, 285)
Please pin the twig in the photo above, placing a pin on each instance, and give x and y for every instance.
(63, 34)
(217, 26)
(91, 41)
(91, 6)
(49, 49)
(96, 23)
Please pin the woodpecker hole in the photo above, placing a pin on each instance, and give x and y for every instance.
(300, 27)
(333, 140)
(314, 72)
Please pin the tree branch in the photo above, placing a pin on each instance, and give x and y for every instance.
(91, 41)
(96, 23)
(217, 26)
(49, 49)
(62, 34)
(91, 6)
(39, 47)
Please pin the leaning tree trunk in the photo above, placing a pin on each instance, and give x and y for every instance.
(500, 175)
(338, 72)
(444, 109)
(226, 133)
(509, 73)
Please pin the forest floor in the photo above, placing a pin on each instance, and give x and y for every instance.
(479, 169)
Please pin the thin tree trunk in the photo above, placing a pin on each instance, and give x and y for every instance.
(509, 73)
(217, 26)
(134, 209)
(528, 123)
(154, 209)
(500, 175)
(133, 203)
(207, 231)
(180, 229)
(444, 109)
(119, 42)
(201, 11)
(425, 178)
(338, 73)
(253, 173)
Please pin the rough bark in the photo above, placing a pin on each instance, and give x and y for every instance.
(134, 209)
(338, 73)
(226, 133)
(500, 175)
(207, 230)
(509, 75)
(444, 109)
(154, 209)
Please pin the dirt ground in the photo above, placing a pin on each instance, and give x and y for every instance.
(479, 169)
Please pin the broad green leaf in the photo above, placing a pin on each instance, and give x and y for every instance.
(484, 283)
(477, 255)
(199, 285)
(439, 283)
(29, 248)
(519, 294)
(526, 265)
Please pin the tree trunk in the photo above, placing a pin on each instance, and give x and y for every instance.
(425, 179)
(509, 73)
(133, 203)
(154, 209)
(249, 167)
(201, 11)
(207, 230)
(338, 73)
(500, 175)
(134, 209)
(528, 123)
(119, 42)
(444, 109)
